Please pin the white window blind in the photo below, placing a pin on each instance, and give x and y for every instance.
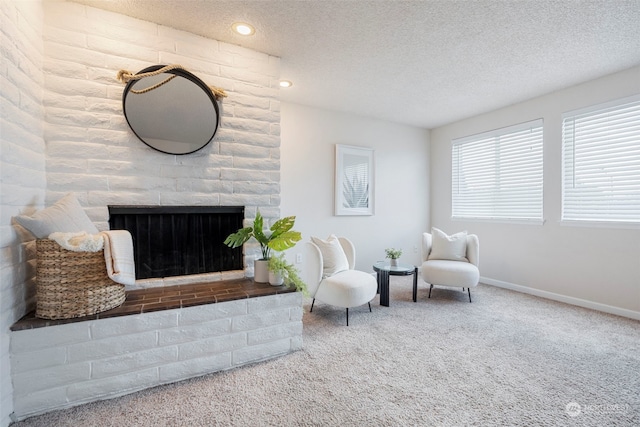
(601, 163)
(498, 174)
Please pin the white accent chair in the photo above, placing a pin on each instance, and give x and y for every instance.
(347, 288)
(462, 273)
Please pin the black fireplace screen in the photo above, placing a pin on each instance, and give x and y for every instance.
(180, 240)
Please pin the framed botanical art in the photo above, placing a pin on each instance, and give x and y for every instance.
(354, 181)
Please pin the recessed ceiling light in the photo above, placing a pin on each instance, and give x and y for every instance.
(243, 28)
(285, 83)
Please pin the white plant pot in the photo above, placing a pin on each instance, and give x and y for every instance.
(394, 262)
(275, 279)
(261, 270)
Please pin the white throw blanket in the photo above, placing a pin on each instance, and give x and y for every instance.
(78, 242)
(118, 251)
(118, 255)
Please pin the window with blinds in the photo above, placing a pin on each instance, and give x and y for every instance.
(498, 175)
(601, 163)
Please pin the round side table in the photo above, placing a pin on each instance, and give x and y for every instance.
(383, 269)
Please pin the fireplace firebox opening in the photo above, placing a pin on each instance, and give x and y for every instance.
(180, 240)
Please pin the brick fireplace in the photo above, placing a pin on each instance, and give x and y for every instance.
(185, 322)
(180, 324)
(68, 134)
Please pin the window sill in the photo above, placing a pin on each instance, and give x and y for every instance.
(599, 224)
(502, 220)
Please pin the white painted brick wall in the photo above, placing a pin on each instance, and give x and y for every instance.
(85, 48)
(199, 331)
(92, 152)
(63, 130)
(22, 168)
(206, 347)
(134, 361)
(181, 370)
(66, 365)
(255, 353)
(260, 319)
(114, 346)
(42, 338)
(202, 314)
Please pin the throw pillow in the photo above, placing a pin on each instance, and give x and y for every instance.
(334, 260)
(446, 247)
(66, 216)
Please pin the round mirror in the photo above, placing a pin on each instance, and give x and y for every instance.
(174, 112)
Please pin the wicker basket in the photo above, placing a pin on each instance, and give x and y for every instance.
(73, 284)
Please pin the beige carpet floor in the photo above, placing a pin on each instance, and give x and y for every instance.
(507, 359)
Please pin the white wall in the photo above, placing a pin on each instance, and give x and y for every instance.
(308, 141)
(596, 267)
(22, 166)
(92, 152)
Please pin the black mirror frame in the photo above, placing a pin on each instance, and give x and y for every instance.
(180, 73)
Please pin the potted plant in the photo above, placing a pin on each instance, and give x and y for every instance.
(393, 254)
(280, 238)
(283, 272)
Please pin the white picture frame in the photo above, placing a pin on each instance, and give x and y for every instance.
(354, 180)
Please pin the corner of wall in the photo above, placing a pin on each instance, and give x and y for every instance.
(23, 169)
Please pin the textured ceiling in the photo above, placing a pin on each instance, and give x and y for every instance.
(424, 63)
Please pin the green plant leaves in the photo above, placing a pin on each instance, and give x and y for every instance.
(282, 225)
(239, 237)
(280, 238)
(285, 240)
(257, 230)
(279, 265)
(393, 253)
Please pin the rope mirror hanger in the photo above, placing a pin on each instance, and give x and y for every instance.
(125, 76)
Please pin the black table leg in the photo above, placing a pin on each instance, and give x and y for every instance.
(415, 285)
(383, 283)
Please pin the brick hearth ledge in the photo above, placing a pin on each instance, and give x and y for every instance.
(59, 364)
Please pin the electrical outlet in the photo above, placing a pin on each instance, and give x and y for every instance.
(298, 258)
(415, 249)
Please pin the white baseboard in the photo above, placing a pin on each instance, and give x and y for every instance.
(563, 298)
